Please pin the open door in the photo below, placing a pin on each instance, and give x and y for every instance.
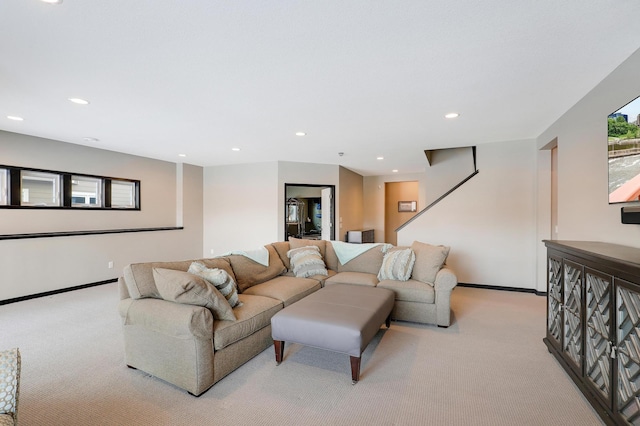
(327, 210)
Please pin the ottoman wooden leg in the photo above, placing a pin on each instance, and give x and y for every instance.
(388, 321)
(355, 369)
(278, 345)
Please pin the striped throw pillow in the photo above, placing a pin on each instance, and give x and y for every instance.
(397, 265)
(307, 262)
(220, 279)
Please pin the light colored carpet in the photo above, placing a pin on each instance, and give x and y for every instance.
(489, 368)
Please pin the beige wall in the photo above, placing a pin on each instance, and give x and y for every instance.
(489, 222)
(374, 199)
(244, 203)
(240, 207)
(394, 193)
(32, 266)
(351, 203)
(582, 167)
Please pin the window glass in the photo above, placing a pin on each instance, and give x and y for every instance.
(123, 194)
(86, 191)
(4, 187)
(39, 188)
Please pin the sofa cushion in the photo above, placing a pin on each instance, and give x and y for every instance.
(295, 243)
(249, 272)
(254, 314)
(282, 247)
(307, 262)
(356, 278)
(330, 257)
(370, 261)
(139, 276)
(410, 291)
(219, 278)
(397, 264)
(285, 288)
(429, 260)
(189, 289)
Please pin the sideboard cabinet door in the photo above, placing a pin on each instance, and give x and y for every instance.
(628, 351)
(554, 300)
(598, 347)
(572, 323)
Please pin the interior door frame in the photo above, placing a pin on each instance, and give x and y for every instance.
(310, 185)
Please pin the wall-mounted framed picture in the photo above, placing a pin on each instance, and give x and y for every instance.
(407, 206)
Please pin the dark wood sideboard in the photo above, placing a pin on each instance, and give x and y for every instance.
(593, 323)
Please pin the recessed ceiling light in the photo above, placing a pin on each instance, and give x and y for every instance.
(52, 1)
(235, 149)
(15, 118)
(380, 157)
(452, 115)
(301, 134)
(182, 155)
(79, 101)
(395, 170)
(91, 139)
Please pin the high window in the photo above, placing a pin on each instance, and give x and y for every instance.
(21, 187)
(4, 189)
(39, 188)
(86, 191)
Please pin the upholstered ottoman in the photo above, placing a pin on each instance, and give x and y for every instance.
(341, 318)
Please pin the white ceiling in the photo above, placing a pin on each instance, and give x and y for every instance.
(366, 78)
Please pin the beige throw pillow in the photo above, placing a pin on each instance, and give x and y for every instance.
(249, 272)
(307, 262)
(303, 242)
(186, 288)
(397, 265)
(220, 280)
(429, 260)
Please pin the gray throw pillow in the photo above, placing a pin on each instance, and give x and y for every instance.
(189, 289)
(219, 278)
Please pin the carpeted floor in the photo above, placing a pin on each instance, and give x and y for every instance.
(489, 368)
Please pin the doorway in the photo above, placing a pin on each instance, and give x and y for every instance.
(309, 211)
(554, 192)
(400, 205)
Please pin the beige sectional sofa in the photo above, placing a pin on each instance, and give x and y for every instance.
(188, 343)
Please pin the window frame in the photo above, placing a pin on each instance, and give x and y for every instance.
(4, 186)
(12, 184)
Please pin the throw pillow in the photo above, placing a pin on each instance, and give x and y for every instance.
(220, 280)
(183, 287)
(282, 247)
(307, 262)
(304, 242)
(249, 272)
(397, 265)
(429, 260)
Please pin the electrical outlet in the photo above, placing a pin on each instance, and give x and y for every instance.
(211, 251)
(110, 264)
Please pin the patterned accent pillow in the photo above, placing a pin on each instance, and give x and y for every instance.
(220, 279)
(307, 262)
(397, 265)
(189, 289)
(10, 366)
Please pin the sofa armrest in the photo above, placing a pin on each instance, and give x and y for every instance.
(446, 280)
(169, 318)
